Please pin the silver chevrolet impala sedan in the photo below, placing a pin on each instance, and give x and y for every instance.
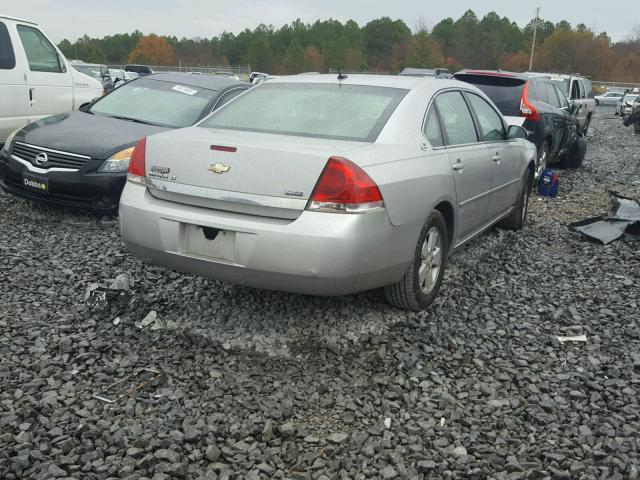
(328, 185)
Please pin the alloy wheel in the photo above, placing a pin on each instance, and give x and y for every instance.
(542, 161)
(431, 260)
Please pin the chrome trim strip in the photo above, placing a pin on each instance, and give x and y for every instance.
(478, 197)
(31, 168)
(52, 150)
(227, 195)
(473, 199)
(505, 185)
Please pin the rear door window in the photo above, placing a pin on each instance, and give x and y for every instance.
(7, 57)
(583, 93)
(490, 122)
(432, 129)
(41, 55)
(456, 119)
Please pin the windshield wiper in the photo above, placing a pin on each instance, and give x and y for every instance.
(135, 120)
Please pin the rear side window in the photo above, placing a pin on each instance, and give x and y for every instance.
(456, 119)
(318, 110)
(552, 96)
(564, 103)
(490, 122)
(42, 56)
(432, 129)
(540, 91)
(504, 92)
(7, 57)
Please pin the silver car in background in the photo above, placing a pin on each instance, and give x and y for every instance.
(330, 185)
(609, 98)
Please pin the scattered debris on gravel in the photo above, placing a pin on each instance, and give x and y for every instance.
(259, 384)
(621, 221)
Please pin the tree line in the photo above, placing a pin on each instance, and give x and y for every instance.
(382, 45)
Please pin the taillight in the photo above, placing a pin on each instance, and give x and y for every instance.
(526, 108)
(343, 187)
(137, 172)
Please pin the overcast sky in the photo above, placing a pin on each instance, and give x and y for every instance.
(207, 18)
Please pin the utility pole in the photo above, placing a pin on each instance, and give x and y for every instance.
(533, 44)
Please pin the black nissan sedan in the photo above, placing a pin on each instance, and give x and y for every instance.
(80, 158)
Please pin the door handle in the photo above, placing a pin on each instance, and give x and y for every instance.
(458, 166)
(496, 158)
(31, 95)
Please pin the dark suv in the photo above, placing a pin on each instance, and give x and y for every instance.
(535, 103)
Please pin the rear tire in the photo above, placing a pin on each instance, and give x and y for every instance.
(421, 282)
(518, 217)
(577, 154)
(543, 159)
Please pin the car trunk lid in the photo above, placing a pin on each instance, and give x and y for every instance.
(245, 172)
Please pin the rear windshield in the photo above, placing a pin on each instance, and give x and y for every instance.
(342, 112)
(505, 92)
(155, 102)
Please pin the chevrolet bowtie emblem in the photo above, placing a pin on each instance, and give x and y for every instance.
(219, 168)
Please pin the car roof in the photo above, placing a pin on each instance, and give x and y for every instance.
(16, 19)
(391, 81)
(202, 81)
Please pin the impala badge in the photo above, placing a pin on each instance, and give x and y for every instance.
(219, 168)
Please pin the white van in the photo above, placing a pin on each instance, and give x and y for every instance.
(35, 79)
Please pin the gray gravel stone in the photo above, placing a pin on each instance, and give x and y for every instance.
(255, 383)
(167, 455)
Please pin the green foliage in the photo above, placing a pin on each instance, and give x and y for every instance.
(388, 45)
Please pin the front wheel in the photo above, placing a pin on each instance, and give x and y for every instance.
(421, 282)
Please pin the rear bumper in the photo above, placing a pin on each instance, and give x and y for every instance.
(316, 254)
(88, 191)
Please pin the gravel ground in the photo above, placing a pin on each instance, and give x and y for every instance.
(259, 384)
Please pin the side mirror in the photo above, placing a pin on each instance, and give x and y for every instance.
(87, 105)
(516, 131)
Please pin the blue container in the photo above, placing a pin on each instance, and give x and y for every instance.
(549, 183)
